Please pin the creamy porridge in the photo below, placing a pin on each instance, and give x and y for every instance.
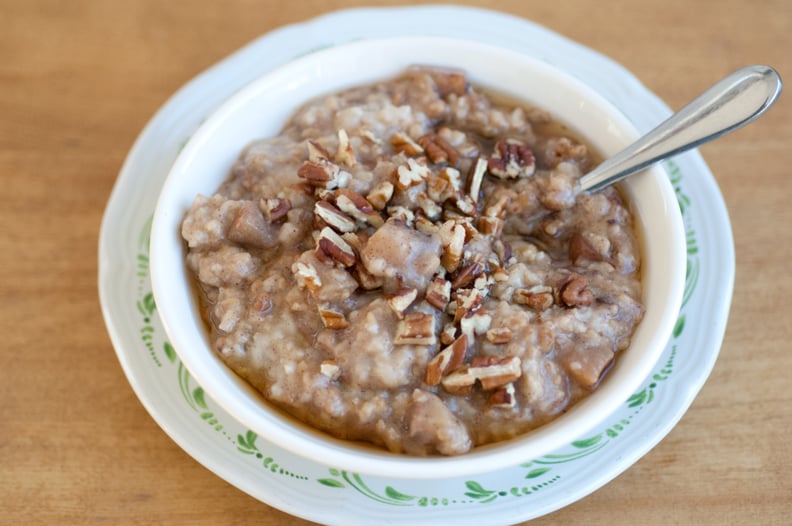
(407, 264)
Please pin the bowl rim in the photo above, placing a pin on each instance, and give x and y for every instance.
(269, 423)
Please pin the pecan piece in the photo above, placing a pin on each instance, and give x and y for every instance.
(475, 323)
(416, 328)
(575, 292)
(438, 150)
(306, 276)
(425, 225)
(494, 371)
(274, 208)
(380, 195)
(499, 335)
(330, 369)
(448, 334)
(345, 155)
(439, 189)
(401, 300)
(537, 298)
(317, 153)
(479, 169)
(335, 247)
(411, 174)
(503, 397)
(446, 361)
(511, 159)
(359, 207)
(438, 293)
(403, 214)
(333, 217)
(452, 239)
(459, 382)
(467, 275)
(403, 143)
(453, 177)
(323, 174)
(490, 226)
(466, 205)
(332, 318)
(467, 301)
(428, 206)
(367, 280)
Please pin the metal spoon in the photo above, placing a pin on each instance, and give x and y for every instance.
(730, 104)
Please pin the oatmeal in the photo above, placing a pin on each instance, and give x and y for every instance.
(408, 264)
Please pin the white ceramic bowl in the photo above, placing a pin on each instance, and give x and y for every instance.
(261, 108)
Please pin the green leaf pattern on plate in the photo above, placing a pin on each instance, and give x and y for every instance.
(538, 473)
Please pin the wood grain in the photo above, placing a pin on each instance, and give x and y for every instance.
(79, 80)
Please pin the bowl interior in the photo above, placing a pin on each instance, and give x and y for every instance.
(260, 110)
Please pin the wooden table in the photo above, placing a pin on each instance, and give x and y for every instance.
(78, 81)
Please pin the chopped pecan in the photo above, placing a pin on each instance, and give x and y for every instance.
(499, 275)
(274, 208)
(330, 369)
(403, 143)
(537, 298)
(467, 275)
(446, 361)
(479, 169)
(317, 153)
(429, 206)
(503, 397)
(495, 371)
(306, 276)
(403, 214)
(499, 335)
(475, 323)
(334, 217)
(413, 173)
(575, 292)
(379, 196)
(498, 208)
(490, 226)
(453, 177)
(401, 300)
(459, 382)
(448, 334)
(345, 155)
(439, 189)
(335, 247)
(438, 293)
(416, 328)
(511, 159)
(438, 150)
(323, 174)
(332, 318)
(452, 239)
(367, 280)
(483, 283)
(466, 205)
(369, 136)
(425, 225)
(467, 301)
(357, 206)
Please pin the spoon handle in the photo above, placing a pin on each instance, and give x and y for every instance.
(730, 104)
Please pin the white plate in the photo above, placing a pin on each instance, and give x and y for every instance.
(331, 494)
